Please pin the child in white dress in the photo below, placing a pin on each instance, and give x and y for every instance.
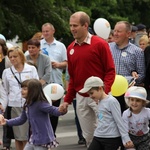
(137, 117)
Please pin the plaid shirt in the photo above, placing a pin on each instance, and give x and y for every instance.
(128, 59)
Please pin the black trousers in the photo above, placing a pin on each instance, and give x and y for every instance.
(105, 143)
(54, 119)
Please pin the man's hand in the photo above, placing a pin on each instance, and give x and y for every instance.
(135, 74)
(63, 107)
(1, 108)
(2, 120)
(55, 65)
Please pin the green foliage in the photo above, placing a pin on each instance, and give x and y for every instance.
(25, 17)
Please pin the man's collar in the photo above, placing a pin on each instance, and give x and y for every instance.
(87, 40)
(124, 46)
(45, 42)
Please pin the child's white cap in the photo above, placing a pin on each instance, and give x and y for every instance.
(90, 83)
(136, 92)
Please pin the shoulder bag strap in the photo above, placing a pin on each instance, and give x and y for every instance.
(15, 76)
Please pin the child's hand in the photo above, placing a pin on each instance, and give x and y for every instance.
(2, 120)
(129, 144)
(62, 109)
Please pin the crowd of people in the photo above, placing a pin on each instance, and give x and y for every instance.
(103, 121)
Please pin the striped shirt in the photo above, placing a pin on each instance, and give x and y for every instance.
(128, 59)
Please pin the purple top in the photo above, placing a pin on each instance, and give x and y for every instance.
(38, 117)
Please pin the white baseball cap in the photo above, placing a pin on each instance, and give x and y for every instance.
(90, 83)
(136, 92)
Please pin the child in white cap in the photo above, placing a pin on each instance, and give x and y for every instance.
(137, 117)
(110, 131)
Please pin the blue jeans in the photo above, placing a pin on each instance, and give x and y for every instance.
(33, 147)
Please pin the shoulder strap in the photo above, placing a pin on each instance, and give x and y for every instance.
(15, 76)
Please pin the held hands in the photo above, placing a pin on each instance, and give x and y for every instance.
(63, 108)
(1, 117)
(129, 145)
(2, 120)
(1, 108)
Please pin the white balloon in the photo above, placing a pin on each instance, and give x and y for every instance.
(48, 98)
(26, 53)
(54, 91)
(9, 45)
(2, 37)
(102, 28)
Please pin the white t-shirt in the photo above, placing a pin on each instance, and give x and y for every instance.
(137, 124)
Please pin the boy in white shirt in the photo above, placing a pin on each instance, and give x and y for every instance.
(110, 131)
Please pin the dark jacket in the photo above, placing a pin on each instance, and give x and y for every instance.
(147, 65)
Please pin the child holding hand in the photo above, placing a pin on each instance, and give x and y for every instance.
(136, 117)
(110, 131)
(36, 111)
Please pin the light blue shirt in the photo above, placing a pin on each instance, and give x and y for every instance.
(57, 52)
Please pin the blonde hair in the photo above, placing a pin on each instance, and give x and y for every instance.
(144, 38)
(19, 51)
(37, 35)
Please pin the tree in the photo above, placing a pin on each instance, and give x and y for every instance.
(25, 17)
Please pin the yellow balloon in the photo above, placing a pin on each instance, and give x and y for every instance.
(119, 86)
